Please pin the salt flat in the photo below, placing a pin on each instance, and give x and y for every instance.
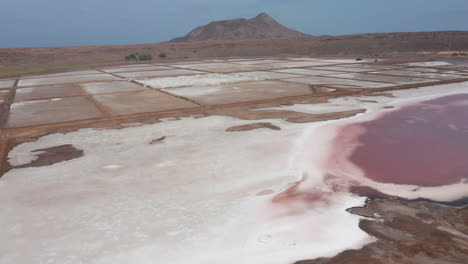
(310, 71)
(111, 87)
(55, 110)
(137, 68)
(66, 79)
(158, 73)
(174, 166)
(268, 74)
(49, 91)
(339, 82)
(369, 77)
(195, 80)
(68, 73)
(241, 92)
(218, 67)
(6, 83)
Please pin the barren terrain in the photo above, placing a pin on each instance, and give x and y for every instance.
(14, 61)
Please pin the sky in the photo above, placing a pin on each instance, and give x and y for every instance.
(41, 23)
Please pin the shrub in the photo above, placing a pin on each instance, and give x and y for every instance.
(131, 57)
(162, 55)
(145, 57)
(139, 57)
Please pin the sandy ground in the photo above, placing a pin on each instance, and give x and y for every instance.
(360, 45)
(202, 167)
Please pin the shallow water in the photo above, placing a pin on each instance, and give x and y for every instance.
(424, 144)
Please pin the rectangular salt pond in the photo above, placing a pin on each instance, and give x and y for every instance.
(195, 80)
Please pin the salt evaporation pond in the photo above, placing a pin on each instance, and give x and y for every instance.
(423, 144)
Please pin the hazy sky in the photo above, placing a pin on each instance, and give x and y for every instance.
(36, 23)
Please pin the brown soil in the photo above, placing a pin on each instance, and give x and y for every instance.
(365, 191)
(290, 116)
(50, 156)
(408, 232)
(253, 127)
(382, 44)
(158, 140)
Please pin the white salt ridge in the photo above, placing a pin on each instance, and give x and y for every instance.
(195, 80)
(302, 59)
(429, 64)
(334, 105)
(112, 166)
(200, 91)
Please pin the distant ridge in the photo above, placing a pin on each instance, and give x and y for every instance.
(262, 26)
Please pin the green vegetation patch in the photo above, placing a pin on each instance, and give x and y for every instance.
(139, 57)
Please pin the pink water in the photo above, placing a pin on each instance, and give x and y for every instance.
(424, 144)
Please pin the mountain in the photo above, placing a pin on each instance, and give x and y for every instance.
(262, 26)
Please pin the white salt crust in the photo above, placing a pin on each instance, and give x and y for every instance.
(192, 198)
(195, 80)
(201, 196)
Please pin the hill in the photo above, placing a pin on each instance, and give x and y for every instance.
(262, 26)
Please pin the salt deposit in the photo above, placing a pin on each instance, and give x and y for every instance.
(429, 64)
(196, 80)
(194, 198)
